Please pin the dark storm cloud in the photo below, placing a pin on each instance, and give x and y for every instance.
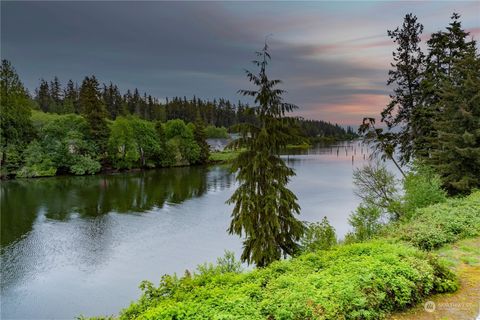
(333, 57)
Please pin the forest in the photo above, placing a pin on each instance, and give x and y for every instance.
(86, 129)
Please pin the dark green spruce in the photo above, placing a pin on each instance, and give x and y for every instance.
(264, 208)
(94, 110)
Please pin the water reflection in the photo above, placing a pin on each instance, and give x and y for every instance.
(22, 201)
(73, 245)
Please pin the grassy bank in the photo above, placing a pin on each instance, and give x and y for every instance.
(368, 280)
(226, 155)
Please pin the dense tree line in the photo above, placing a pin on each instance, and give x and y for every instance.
(79, 129)
(52, 97)
(434, 112)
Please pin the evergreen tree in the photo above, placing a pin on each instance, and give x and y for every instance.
(15, 124)
(113, 100)
(406, 75)
(56, 95)
(94, 111)
(456, 149)
(43, 98)
(70, 100)
(201, 139)
(444, 48)
(264, 207)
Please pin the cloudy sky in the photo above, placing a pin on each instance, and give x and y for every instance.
(333, 57)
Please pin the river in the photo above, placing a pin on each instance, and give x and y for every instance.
(82, 245)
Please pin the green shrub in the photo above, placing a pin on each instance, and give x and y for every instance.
(442, 223)
(216, 132)
(37, 162)
(133, 142)
(358, 281)
(318, 236)
(422, 188)
(377, 188)
(366, 223)
(85, 165)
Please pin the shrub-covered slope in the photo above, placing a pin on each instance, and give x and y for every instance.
(358, 281)
(354, 281)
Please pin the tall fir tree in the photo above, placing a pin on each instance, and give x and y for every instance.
(113, 100)
(264, 208)
(56, 96)
(201, 139)
(15, 124)
(43, 97)
(70, 99)
(444, 49)
(405, 75)
(456, 148)
(93, 109)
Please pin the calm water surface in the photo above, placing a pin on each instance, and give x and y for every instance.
(81, 245)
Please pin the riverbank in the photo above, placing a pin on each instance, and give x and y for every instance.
(399, 269)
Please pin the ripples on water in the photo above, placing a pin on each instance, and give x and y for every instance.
(81, 245)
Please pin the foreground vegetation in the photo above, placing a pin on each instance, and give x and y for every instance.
(464, 258)
(365, 280)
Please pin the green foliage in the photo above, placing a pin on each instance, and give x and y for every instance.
(133, 143)
(147, 141)
(200, 136)
(93, 108)
(122, 145)
(213, 132)
(365, 280)
(181, 143)
(359, 281)
(264, 208)
(376, 187)
(443, 223)
(456, 147)
(226, 155)
(434, 106)
(318, 236)
(63, 144)
(37, 163)
(366, 222)
(15, 125)
(422, 188)
(225, 264)
(84, 164)
(406, 76)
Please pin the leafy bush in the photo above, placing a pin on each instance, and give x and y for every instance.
(366, 222)
(37, 162)
(225, 264)
(133, 142)
(358, 281)
(64, 144)
(318, 236)
(216, 132)
(181, 142)
(377, 187)
(422, 188)
(447, 222)
(85, 165)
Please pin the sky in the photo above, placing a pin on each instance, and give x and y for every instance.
(333, 57)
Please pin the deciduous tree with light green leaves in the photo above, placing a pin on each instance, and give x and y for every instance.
(264, 208)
